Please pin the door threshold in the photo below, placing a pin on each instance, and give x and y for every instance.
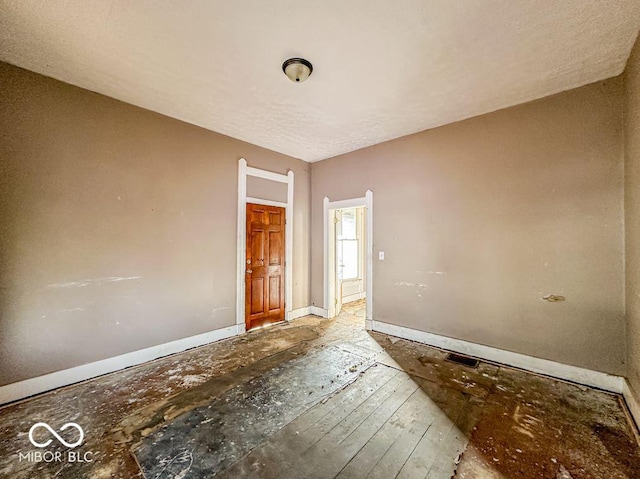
(266, 326)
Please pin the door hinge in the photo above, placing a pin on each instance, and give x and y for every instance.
(336, 301)
(335, 220)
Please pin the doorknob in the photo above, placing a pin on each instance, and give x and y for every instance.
(249, 271)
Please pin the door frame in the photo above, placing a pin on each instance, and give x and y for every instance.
(329, 282)
(241, 239)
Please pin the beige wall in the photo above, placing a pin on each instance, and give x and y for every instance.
(632, 213)
(118, 226)
(493, 213)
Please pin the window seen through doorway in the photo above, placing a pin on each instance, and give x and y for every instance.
(349, 245)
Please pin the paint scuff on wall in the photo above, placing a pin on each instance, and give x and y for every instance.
(87, 282)
(416, 285)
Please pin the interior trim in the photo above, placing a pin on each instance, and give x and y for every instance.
(633, 403)
(261, 201)
(47, 382)
(574, 374)
(316, 311)
(267, 175)
(329, 294)
(30, 387)
(353, 297)
(241, 237)
(297, 313)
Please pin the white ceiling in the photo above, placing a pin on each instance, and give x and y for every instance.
(382, 69)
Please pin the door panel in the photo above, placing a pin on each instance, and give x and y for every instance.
(257, 296)
(275, 248)
(275, 218)
(264, 278)
(257, 245)
(274, 293)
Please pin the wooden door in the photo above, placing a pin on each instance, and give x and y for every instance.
(264, 278)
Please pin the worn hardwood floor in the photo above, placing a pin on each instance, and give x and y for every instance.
(322, 399)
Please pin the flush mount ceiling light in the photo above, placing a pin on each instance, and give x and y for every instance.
(297, 69)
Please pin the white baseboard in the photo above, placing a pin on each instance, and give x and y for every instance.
(298, 313)
(353, 297)
(29, 387)
(47, 382)
(575, 374)
(323, 313)
(633, 402)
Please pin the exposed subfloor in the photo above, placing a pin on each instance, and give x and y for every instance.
(321, 399)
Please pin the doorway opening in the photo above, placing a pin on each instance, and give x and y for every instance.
(348, 253)
(273, 297)
(349, 267)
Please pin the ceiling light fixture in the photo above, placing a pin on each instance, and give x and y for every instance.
(297, 69)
